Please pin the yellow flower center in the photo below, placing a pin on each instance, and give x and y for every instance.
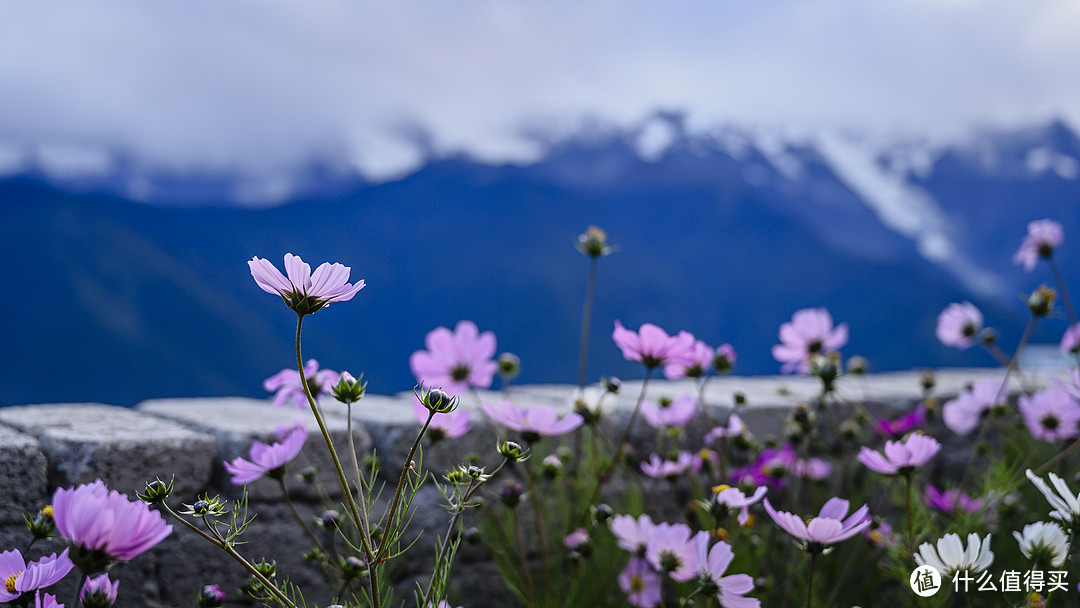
(636, 584)
(47, 511)
(9, 582)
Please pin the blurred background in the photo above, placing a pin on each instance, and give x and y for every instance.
(749, 159)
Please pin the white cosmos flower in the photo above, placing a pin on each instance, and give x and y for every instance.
(951, 556)
(1044, 539)
(1066, 505)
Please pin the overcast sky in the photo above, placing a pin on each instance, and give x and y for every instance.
(260, 87)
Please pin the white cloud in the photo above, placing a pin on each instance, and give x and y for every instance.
(263, 86)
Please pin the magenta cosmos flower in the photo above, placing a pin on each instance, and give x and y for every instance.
(443, 426)
(532, 422)
(305, 291)
(1042, 238)
(712, 563)
(49, 601)
(809, 332)
(696, 364)
(1050, 414)
(268, 459)
(962, 414)
(671, 550)
(901, 457)
(959, 324)
(456, 360)
(827, 528)
(951, 500)
(19, 577)
(288, 388)
(661, 468)
(652, 347)
(632, 533)
(677, 412)
(903, 424)
(640, 583)
(103, 525)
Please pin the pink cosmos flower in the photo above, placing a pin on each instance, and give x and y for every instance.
(773, 464)
(733, 498)
(268, 459)
(734, 427)
(827, 528)
(304, 291)
(532, 421)
(1070, 342)
(724, 359)
(576, 539)
(882, 536)
(959, 324)
(962, 414)
(697, 362)
(900, 456)
(809, 332)
(443, 426)
(1050, 414)
(1042, 238)
(49, 601)
(903, 424)
(287, 386)
(671, 550)
(678, 412)
(951, 500)
(652, 347)
(95, 519)
(640, 583)
(19, 577)
(102, 588)
(456, 360)
(712, 563)
(632, 533)
(660, 468)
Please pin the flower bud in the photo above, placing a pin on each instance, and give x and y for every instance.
(611, 384)
(156, 491)
(1041, 301)
(602, 512)
(510, 493)
(509, 365)
(210, 596)
(99, 592)
(858, 365)
(552, 466)
(927, 379)
(724, 360)
(513, 451)
(349, 389)
(329, 519)
(436, 400)
(593, 243)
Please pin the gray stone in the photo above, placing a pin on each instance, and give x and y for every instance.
(23, 476)
(235, 423)
(125, 449)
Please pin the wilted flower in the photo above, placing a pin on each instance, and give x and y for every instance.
(632, 533)
(1066, 505)
(1042, 238)
(962, 414)
(268, 459)
(532, 422)
(665, 469)
(652, 346)
(456, 360)
(959, 324)
(99, 592)
(950, 555)
(640, 583)
(809, 332)
(712, 563)
(304, 291)
(951, 500)
(1050, 414)
(676, 413)
(104, 526)
(900, 457)
(18, 577)
(696, 364)
(827, 528)
(288, 387)
(670, 550)
(1044, 542)
(443, 426)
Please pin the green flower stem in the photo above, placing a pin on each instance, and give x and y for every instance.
(910, 515)
(77, 600)
(810, 582)
(385, 544)
(365, 527)
(279, 595)
(538, 519)
(345, 488)
(586, 316)
(296, 515)
(1066, 299)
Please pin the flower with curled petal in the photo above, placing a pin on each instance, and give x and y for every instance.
(829, 527)
(1066, 505)
(304, 291)
(1044, 540)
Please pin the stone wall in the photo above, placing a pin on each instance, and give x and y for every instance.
(43, 447)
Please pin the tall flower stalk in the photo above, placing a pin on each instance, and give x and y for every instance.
(593, 243)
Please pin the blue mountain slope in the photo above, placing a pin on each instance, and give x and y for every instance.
(120, 301)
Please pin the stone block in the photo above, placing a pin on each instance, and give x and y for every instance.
(23, 476)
